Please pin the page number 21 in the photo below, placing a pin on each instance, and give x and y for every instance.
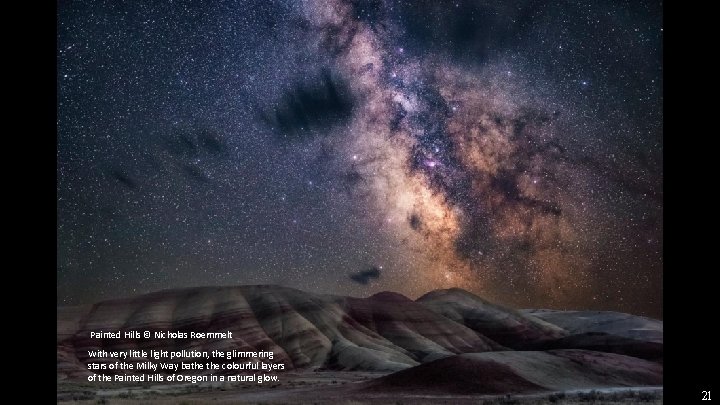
(706, 395)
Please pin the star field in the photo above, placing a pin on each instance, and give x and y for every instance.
(350, 147)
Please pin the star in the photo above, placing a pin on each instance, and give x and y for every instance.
(446, 141)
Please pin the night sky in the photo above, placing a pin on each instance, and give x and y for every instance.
(513, 149)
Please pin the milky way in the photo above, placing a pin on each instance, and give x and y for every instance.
(358, 146)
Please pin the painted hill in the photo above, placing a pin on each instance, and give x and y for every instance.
(607, 331)
(503, 325)
(614, 323)
(385, 332)
(521, 372)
